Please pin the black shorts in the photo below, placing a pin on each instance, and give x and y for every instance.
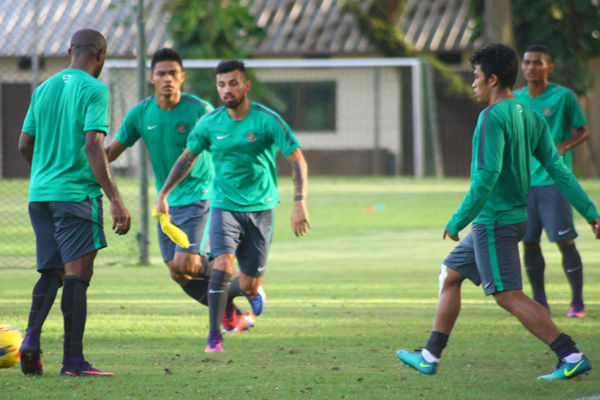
(548, 208)
(66, 231)
(193, 220)
(247, 235)
(489, 255)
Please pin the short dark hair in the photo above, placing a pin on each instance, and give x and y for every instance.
(165, 54)
(225, 66)
(540, 48)
(499, 60)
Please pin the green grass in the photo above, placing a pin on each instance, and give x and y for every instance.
(341, 301)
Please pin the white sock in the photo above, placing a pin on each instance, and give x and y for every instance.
(573, 357)
(430, 357)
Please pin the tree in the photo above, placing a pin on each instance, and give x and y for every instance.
(571, 29)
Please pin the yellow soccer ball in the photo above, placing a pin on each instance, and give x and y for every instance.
(10, 342)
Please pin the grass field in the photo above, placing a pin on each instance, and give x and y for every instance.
(341, 301)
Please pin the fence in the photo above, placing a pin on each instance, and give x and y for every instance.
(352, 117)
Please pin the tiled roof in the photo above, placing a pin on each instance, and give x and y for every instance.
(295, 28)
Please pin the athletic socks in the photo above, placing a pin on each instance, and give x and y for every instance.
(234, 290)
(428, 356)
(564, 346)
(44, 294)
(217, 298)
(74, 309)
(197, 289)
(573, 269)
(207, 267)
(436, 344)
(535, 266)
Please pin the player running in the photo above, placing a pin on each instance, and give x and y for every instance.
(242, 138)
(508, 133)
(164, 122)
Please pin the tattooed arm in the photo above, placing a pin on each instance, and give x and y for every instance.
(300, 221)
(180, 170)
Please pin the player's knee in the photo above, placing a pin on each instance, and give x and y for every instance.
(177, 276)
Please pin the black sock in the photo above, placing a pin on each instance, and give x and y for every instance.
(535, 266)
(234, 290)
(563, 346)
(573, 269)
(197, 289)
(44, 294)
(74, 309)
(207, 267)
(437, 343)
(217, 298)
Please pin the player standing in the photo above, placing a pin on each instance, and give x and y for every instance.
(242, 138)
(508, 133)
(62, 140)
(546, 206)
(164, 121)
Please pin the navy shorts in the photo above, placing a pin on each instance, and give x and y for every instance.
(193, 220)
(66, 231)
(489, 255)
(548, 208)
(247, 235)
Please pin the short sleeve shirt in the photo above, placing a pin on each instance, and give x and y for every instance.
(62, 110)
(243, 153)
(561, 110)
(165, 133)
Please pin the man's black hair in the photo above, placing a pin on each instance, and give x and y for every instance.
(165, 54)
(540, 48)
(225, 66)
(499, 60)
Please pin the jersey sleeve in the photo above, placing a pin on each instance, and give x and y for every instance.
(283, 136)
(129, 132)
(96, 114)
(575, 114)
(487, 164)
(548, 156)
(199, 138)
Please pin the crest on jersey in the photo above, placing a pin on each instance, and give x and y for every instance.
(181, 127)
(251, 137)
(66, 78)
(547, 111)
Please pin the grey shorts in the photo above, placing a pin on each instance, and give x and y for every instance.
(489, 255)
(193, 220)
(66, 231)
(247, 235)
(547, 208)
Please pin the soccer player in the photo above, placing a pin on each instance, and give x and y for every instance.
(62, 140)
(508, 133)
(164, 121)
(546, 206)
(243, 138)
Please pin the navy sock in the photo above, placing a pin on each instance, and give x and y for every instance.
(197, 289)
(535, 266)
(217, 298)
(207, 267)
(437, 343)
(234, 290)
(573, 269)
(563, 346)
(74, 309)
(44, 294)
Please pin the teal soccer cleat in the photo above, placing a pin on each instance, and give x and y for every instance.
(416, 361)
(566, 370)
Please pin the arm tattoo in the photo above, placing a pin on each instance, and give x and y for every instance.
(297, 175)
(181, 169)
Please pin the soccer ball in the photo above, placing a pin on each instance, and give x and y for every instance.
(10, 342)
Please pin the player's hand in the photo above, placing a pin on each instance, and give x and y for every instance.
(451, 236)
(300, 222)
(121, 217)
(161, 205)
(595, 224)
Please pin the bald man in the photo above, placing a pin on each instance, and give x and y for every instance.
(62, 141)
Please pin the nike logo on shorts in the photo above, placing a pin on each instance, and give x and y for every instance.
(564, 232)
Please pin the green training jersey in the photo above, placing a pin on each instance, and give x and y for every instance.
(507, 135)
(165, 133)
(62, 110)
(244, 156)
(562, 111)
